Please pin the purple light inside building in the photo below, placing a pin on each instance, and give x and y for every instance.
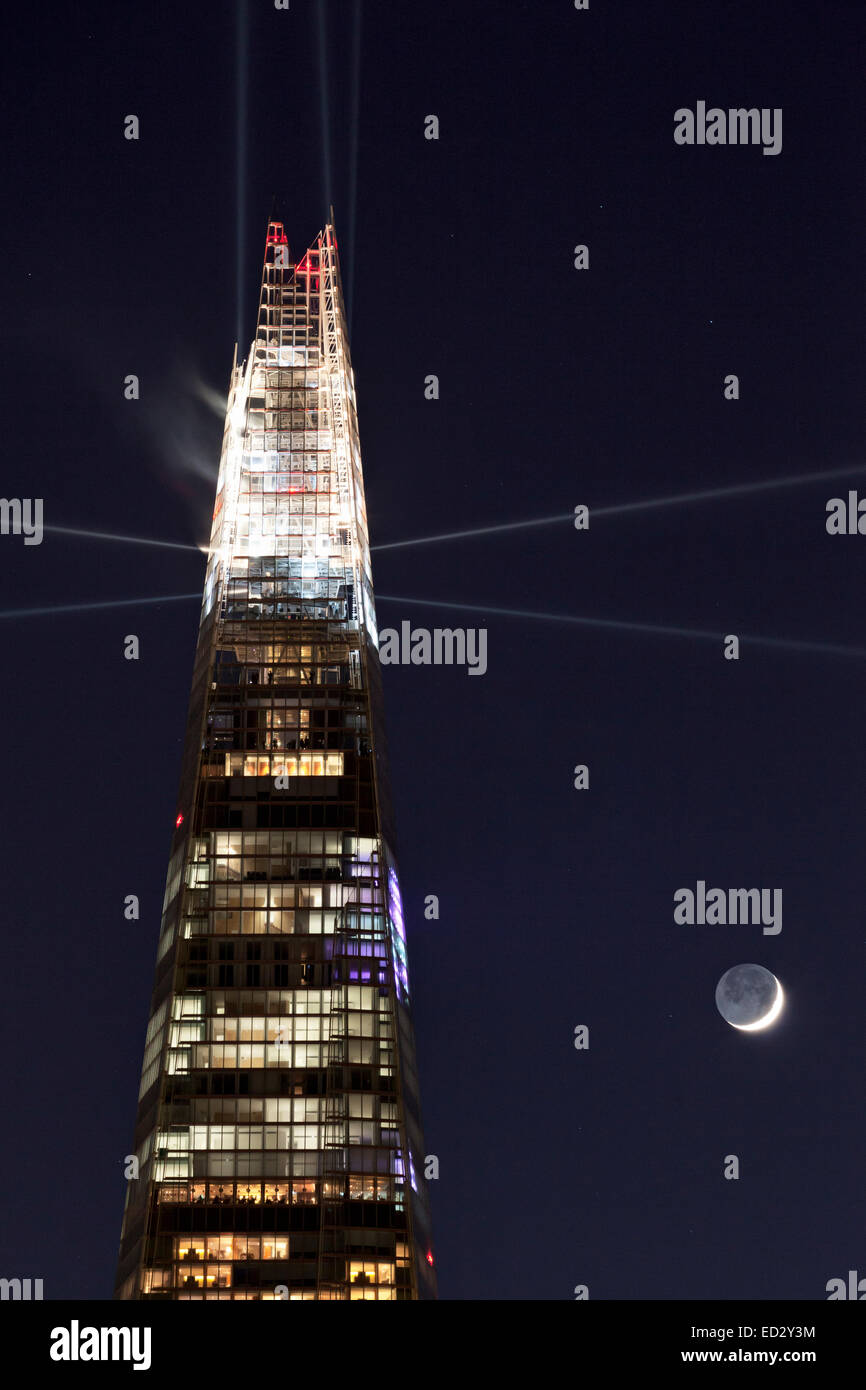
(398, 937)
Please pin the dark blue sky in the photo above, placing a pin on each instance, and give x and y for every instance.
(558, 387)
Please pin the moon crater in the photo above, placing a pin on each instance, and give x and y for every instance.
(749, 997)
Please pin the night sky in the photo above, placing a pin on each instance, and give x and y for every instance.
(605, 386)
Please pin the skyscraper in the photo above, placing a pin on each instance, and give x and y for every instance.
(278, 1142)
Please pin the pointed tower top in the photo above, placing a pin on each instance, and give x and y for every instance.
(276, 234)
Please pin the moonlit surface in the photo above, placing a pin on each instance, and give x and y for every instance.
(749, 997)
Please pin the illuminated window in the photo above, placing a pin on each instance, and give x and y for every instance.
(173, 1192)
(189, 1248)
(291, 765)
(370, 1272)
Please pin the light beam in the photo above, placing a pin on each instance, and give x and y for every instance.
(738, 489)
(241, 71)
(127, 540)
(324, 104)
(353, 156)
(618, 625)
(679, 499)
(92, 607)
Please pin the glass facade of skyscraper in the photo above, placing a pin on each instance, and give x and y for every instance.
(279, 1141)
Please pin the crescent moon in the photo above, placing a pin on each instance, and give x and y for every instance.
(769, 1017)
